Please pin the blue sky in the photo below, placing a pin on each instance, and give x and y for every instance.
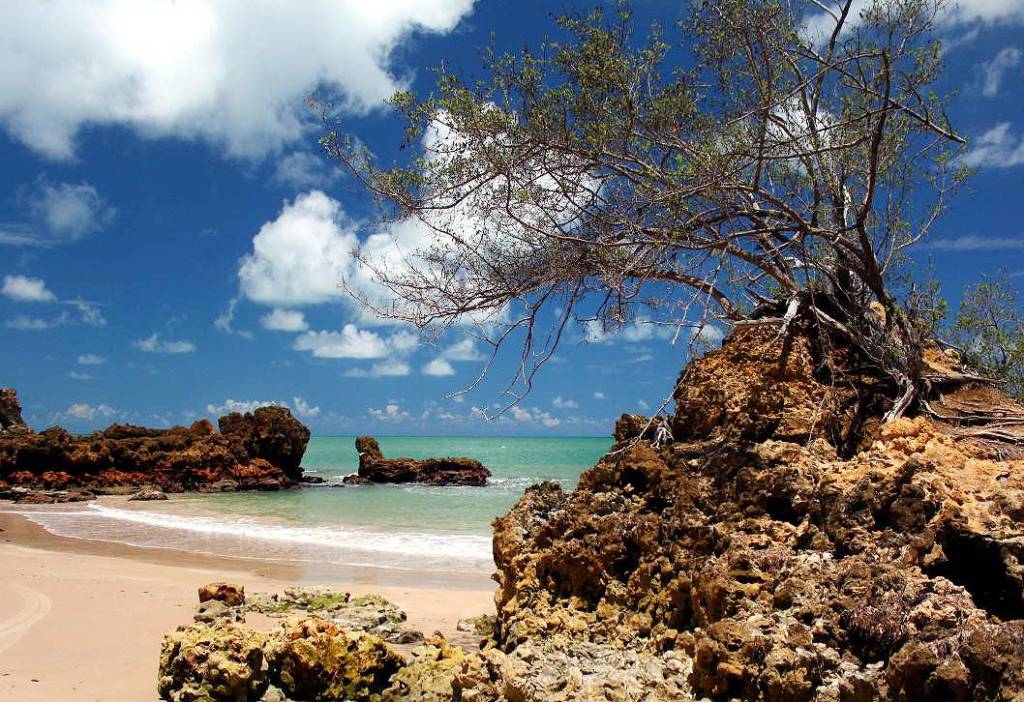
(171, 239)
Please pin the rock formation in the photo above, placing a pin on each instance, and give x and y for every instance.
(786, 547)
(260, 451)
(374, 468)
(10, 412)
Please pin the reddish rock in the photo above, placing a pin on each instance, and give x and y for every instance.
(258, 451)
(271, 433)
(374, 468)
(10, 412)
(230, 594)
(787, 544)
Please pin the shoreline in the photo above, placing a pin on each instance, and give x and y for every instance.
(83, 619)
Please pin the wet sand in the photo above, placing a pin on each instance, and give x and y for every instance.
(83, 620)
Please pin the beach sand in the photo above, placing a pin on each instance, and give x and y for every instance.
(83, 620)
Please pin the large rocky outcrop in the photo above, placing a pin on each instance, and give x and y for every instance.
(374, 468)
(10, 412)
(787, 546)
(261, 451)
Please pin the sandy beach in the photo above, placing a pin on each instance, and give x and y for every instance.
(83, 620)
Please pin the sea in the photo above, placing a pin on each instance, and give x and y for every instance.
(397, 527)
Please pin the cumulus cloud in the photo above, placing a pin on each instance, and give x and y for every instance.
(464, 350)
(995, 70)
(643, 405)
(284, 320)
(391, 412)
(304, 409)
(154, 344)
(91, 359)
(241, 406)
(301, 169)
(385, 369)
(438, 368)
(76, 375)
(23, 289)
(230, 72)
(598, 395)
(69, 211)
(561, 403)
(84, 412)
(595, 332)
(533, 415)
(956, 14)
(350, 342)
(300, 257)
(996, 148)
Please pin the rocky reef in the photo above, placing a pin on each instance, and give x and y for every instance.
(785, 546)
(261, 450)
(328, 646)
(374, 468)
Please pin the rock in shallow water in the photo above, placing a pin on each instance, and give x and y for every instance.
(374, 468)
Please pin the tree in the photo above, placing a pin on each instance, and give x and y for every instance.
(989, 330)
(750, 170)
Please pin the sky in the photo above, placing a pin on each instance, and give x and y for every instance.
(172, 240)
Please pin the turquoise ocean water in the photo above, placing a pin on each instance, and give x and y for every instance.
(388, 526)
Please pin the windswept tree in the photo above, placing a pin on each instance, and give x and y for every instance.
(764, 160)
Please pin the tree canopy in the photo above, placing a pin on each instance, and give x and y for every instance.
(762, 160)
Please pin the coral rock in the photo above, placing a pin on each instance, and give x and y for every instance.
(374, 468)
(230, 594)
(224, 663)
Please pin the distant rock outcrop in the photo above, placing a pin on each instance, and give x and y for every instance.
(256, 451)
(10, 412)
(374, 468)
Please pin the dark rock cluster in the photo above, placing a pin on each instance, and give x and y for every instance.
(374, 468)
(261, 450)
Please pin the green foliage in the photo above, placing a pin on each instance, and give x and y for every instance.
(989, 329)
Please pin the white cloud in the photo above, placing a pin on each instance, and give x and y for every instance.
(25, 323)
(91, 359)
(350, 342)
(75, 375)
(561, 403)
(392, 412)
(24, 289)
(88, 312)
(598, 395)
(385, 369)
(438, 368)
(83, 412)
(304, 409)
(154, 344)
(643, 405)
(595, 332)
(985, 12)
(464, 350)
(68, 211)
(300, 257)
(230, 72)
(302, 169)
(226, 321)
(972, 242)
(241, 406)
(284, 320)
(533, 415)
(996, 148)
(995, 70)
